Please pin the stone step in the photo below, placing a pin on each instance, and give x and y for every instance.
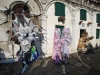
(15, 59)
(10, 60)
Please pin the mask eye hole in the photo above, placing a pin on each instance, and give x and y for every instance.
(27, 35)
(18, 34)
(34, 35)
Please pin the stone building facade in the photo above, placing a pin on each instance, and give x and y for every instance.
(49, 21)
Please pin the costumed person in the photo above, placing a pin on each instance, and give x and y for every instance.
(24, 33)
(57, 47)
(82, 44)
(88, 43)
(38, 41)
(66, 41)
(34, 52)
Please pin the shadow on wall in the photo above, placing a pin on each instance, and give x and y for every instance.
(2, 55)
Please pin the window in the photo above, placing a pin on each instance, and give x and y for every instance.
(83, 14)
(59, 9)
(98, 18)
(97, 33)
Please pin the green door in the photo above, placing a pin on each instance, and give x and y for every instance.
(82, 31)
(97, 33)
(61, 27)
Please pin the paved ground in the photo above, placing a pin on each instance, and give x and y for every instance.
(78, 64)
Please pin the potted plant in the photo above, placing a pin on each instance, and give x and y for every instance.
(80, 22)
(89, 23)
(61, 19)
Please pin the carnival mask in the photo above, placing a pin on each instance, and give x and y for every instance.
(25, 33)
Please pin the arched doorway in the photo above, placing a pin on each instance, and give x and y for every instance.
(18, 10)
(52, 21)
(18, 7)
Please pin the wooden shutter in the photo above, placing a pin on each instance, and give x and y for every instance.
(97, 33)
(98, 18)
(59, 9)
(83, 14)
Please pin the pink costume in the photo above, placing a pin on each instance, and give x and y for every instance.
(57, 46)
(66, 41)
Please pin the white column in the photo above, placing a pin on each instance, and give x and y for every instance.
(44, 25)
(73, 35)
(93, 33)
(93, 29)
